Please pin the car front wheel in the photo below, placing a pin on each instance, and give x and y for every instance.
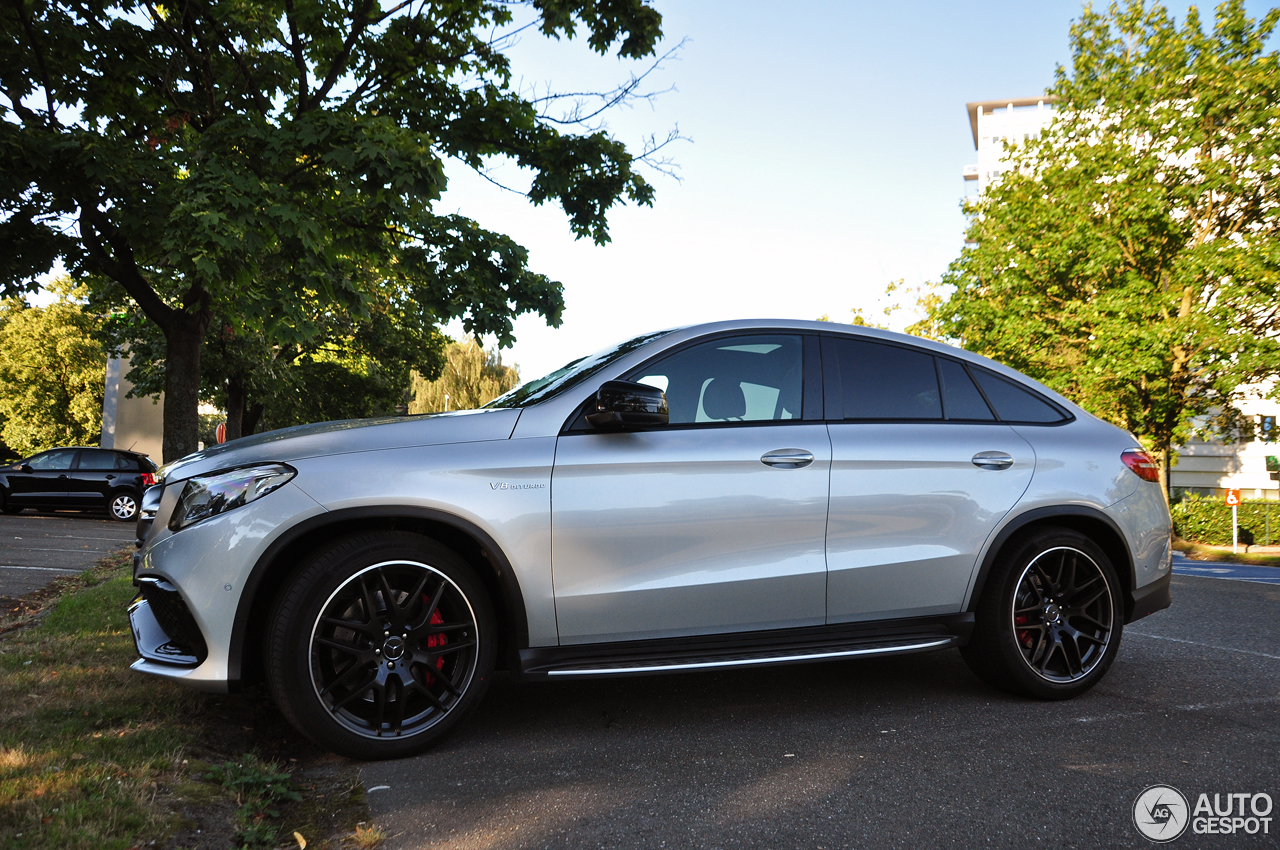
(124, 507)
(380, 645)
(1049, 621)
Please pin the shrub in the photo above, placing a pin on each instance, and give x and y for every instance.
(1209, 521)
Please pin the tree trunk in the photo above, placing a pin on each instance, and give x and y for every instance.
(252, 416)
(184, 336)
(1164, 456)
(235, 407)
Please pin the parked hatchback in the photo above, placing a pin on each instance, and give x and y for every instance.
(78, 479)
(729, 495)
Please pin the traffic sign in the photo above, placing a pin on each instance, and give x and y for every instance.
(221, 432)
(1233, 498)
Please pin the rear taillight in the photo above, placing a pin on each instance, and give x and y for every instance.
(149, 478)
(1141, 464)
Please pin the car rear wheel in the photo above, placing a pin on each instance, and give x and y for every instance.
(124, 507)
(380, 645)
(1049, 622)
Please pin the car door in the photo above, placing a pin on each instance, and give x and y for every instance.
(46, 485)
(92, 478)
(921, 474)
(714, 523)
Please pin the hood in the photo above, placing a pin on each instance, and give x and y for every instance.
(350, 435)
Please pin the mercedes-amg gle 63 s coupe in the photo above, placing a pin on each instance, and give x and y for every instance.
(727, 495)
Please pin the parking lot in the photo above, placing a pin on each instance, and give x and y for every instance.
(895, 752)
(35, 549)
(904, 752)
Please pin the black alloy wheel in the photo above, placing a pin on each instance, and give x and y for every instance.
(394, 649)
(381, 645)
(1049, 622)
(1062, 614)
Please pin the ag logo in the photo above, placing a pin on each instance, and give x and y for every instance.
(1160, 813)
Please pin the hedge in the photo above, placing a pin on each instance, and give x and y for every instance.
(1209, 521)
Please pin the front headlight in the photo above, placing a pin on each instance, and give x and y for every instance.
(210, 495)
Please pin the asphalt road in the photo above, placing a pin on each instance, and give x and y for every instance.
(905, 752)
(34, 550)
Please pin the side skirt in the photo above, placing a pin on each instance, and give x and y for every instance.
(746, 649)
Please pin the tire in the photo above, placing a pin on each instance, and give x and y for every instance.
(348, 681)
(123, 506)
(1049, 622)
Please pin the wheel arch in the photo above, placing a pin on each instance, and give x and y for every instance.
(1090, 522)
(277, 563)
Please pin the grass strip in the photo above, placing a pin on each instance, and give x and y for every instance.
(94, 755)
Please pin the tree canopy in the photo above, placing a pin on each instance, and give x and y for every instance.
(273, 165)
(471, 377)
(52, 373)
(1129, 258)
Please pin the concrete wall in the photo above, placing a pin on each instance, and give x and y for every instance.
(136, 424)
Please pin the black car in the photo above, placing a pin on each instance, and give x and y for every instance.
(80, 479)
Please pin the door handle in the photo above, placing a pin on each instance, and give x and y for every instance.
(993, 460)
(62, 476)
(110, 477)
(787, 458)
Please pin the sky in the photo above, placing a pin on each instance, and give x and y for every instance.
(827, 146)
(825, 153)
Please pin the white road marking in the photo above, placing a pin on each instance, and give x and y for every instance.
(1128, 632)
(42, 569)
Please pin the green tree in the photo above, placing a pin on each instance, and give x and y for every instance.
(471, 377)
(1130, 257)
(247, 161)
(52, 373)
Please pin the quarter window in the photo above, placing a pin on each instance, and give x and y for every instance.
(886, 381)
(1014, 404)
(736, 379)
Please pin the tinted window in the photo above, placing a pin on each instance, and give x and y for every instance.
(886, 382)
(735, 379)
(96, 459)
(126, 462)
(960, 398)
(1014, 404)
(53, 460)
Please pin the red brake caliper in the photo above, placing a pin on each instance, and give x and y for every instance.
(1024, 635)
(434, 640)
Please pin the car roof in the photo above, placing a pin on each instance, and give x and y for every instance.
(129, 452)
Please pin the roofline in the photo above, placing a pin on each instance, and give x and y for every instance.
(988, 105)
(679, 335)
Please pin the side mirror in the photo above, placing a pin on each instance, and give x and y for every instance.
(26, 467)
(623, 404)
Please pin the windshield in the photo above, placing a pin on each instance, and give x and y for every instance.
(571, 374)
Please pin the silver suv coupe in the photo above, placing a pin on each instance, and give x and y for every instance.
(733, 494)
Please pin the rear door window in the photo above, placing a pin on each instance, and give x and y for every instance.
(879, 381)
(960, 398)
(96, 459)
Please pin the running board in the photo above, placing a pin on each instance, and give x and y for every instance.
(744, 650)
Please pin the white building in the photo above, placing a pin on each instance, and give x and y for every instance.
(133, 424)
(1206, 466)
(996, 121)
